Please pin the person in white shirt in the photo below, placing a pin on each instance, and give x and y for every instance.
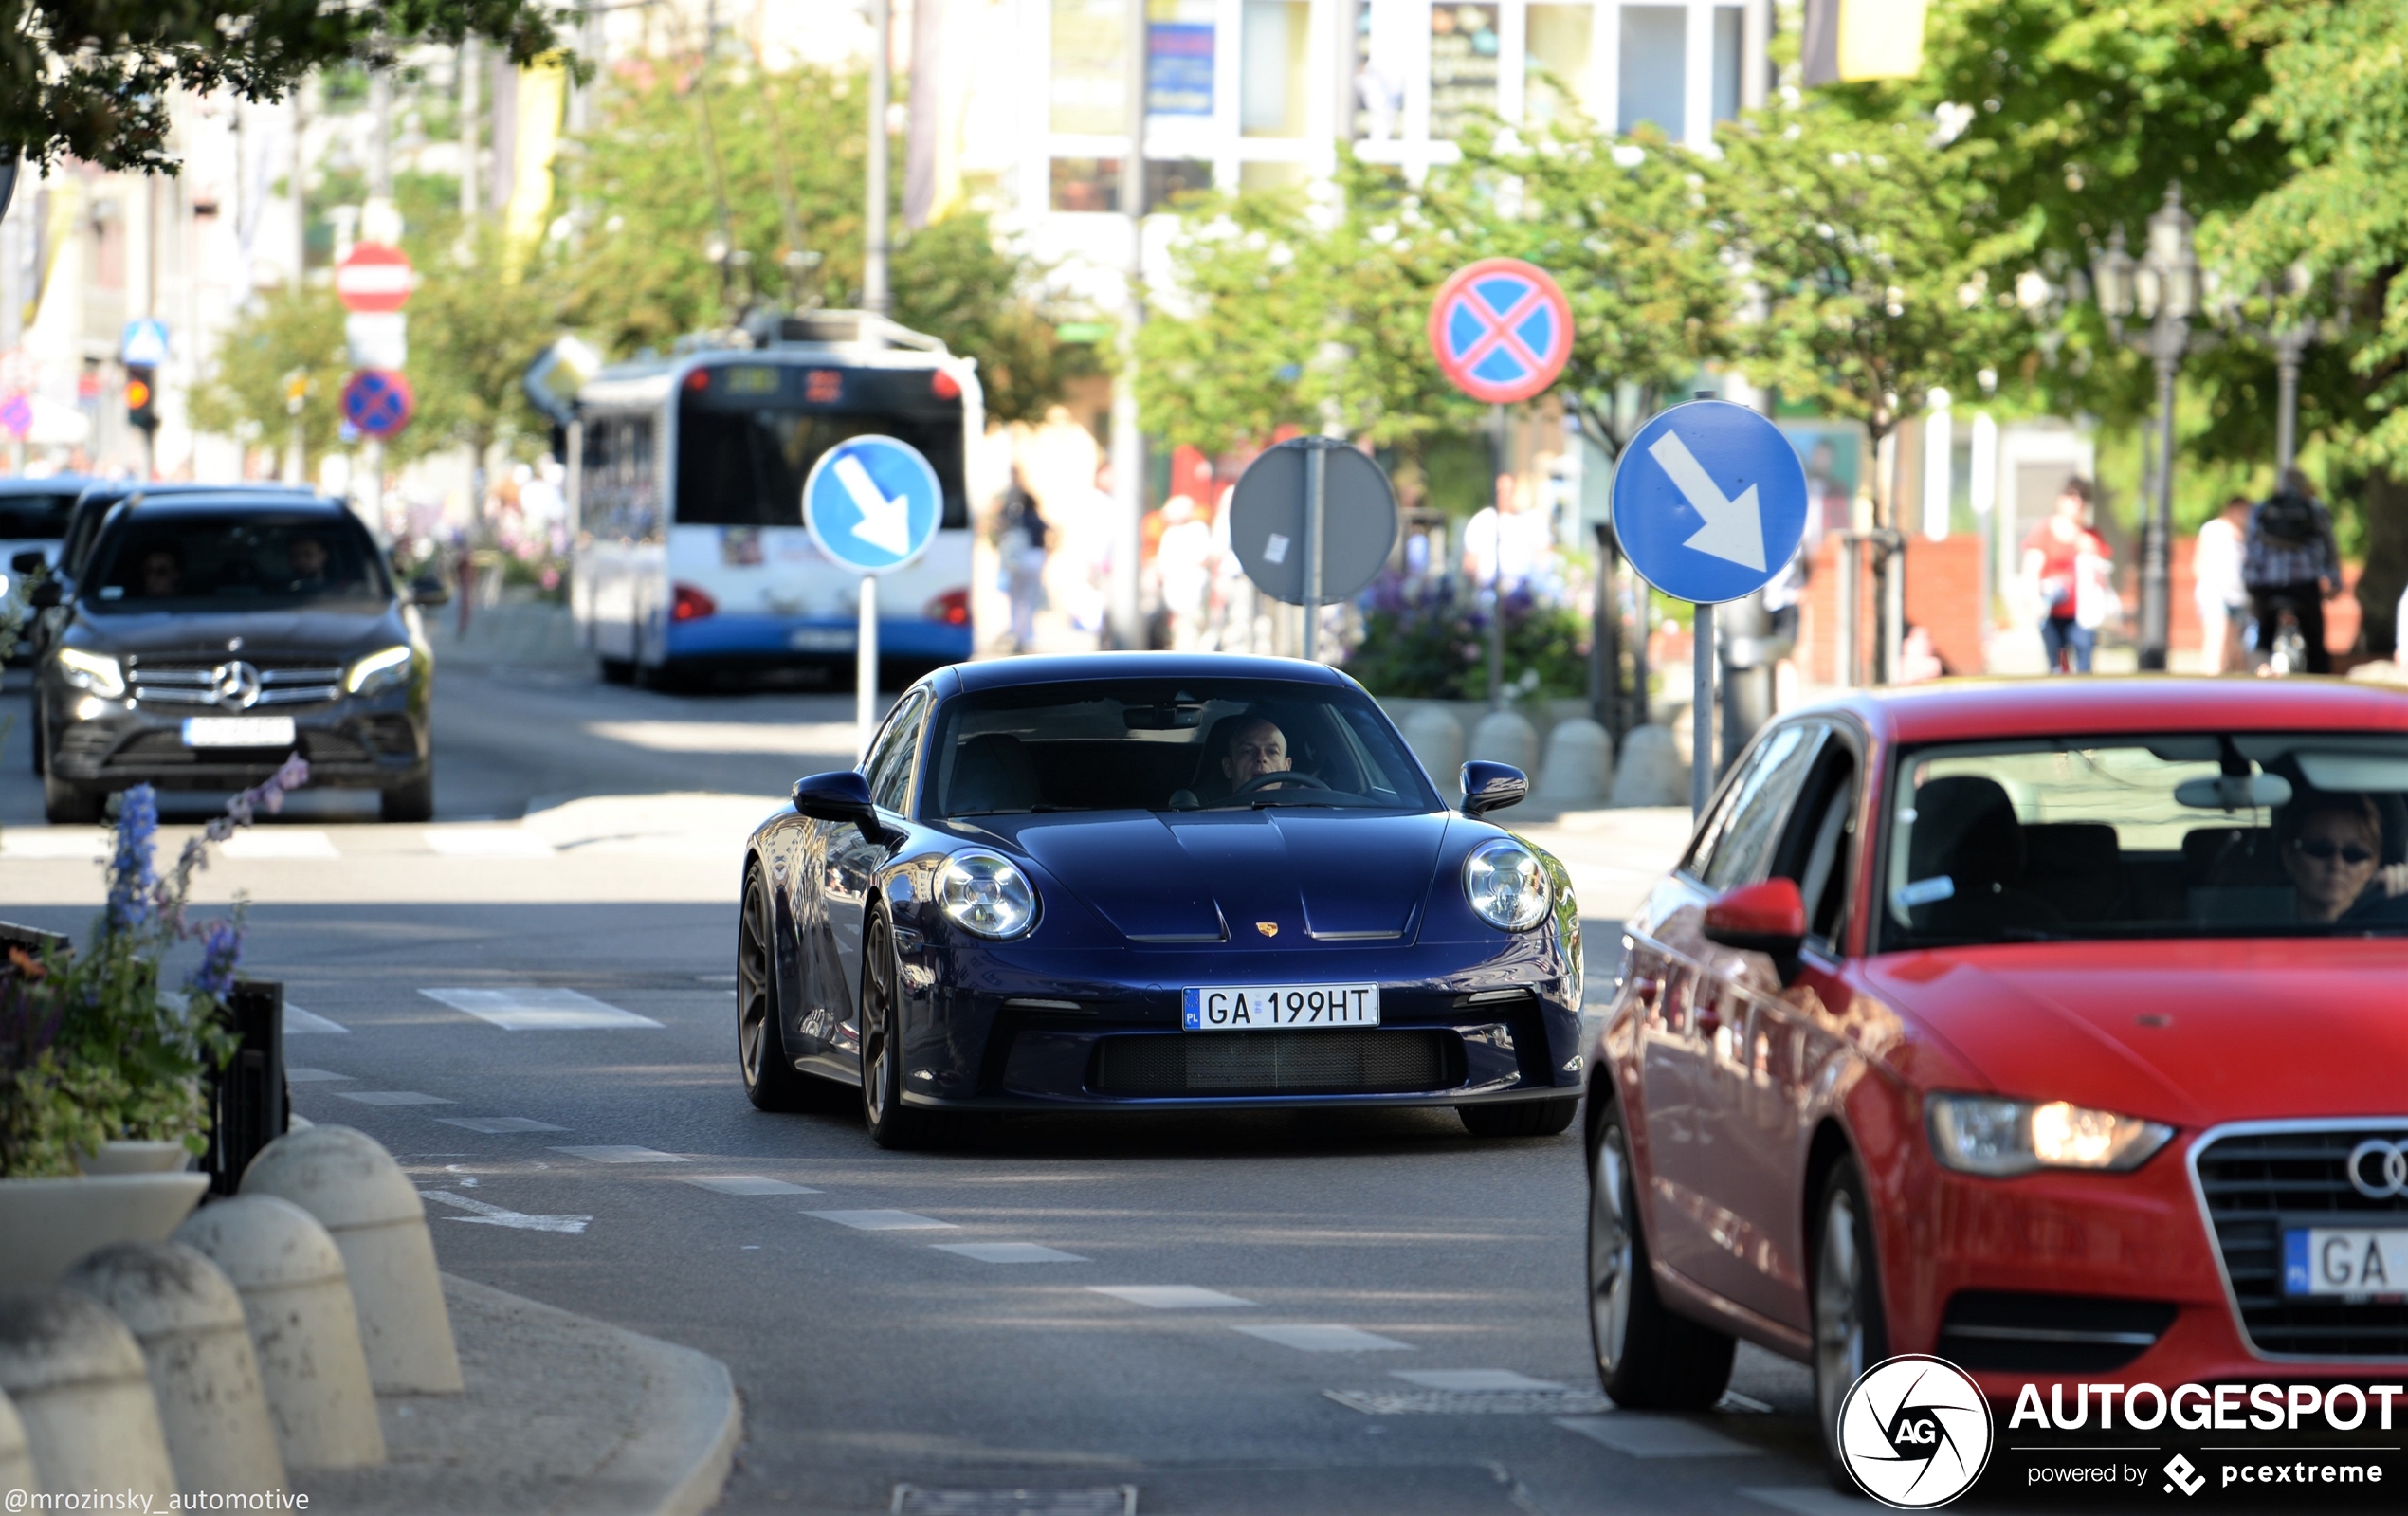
(2218, 590)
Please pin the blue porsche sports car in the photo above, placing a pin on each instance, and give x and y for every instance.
(1158, 881)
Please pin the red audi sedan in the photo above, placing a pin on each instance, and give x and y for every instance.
(2059, 1028)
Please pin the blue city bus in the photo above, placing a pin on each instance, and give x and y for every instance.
(686, 492)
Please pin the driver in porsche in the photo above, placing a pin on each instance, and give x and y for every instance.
(1256, 749)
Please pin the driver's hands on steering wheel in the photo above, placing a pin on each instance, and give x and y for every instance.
(1264, 781)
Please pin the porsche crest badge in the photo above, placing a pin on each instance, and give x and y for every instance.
(1268, 928)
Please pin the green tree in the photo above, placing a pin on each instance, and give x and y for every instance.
(285, 332)
(478, 319)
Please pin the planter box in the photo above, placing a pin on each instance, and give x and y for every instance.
(46, 1224)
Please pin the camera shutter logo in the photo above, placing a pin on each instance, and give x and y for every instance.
(235, 683)
(1915, 1431)
(2378, 1169)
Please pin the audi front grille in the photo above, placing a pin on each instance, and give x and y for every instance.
(2259, 1180)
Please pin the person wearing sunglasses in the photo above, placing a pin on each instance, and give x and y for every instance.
(2332, 847)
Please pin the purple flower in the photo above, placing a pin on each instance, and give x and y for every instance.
(131, 877)
(221, 949)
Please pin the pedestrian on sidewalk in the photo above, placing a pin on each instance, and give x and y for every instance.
(2289, 560)
(1023, 551)
(2067, 565)
(2217, 588)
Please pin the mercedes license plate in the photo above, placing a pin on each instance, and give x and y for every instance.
(1258, 1007)
(2346, 1261)
(238, 731)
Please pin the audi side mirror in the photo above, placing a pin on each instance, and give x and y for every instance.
(29, 561)
(427, 589)
(1769, 917)
(1492, 787)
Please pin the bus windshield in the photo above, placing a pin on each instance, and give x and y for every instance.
(748, 434)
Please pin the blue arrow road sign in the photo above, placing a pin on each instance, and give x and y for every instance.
(873, 503)
(1709, 501)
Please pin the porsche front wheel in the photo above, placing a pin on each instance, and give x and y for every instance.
(890, 1121)
(770, 1079)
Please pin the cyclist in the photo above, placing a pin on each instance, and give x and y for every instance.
(2288, 562)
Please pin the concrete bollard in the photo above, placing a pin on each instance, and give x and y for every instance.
(16, 1458)
(358, 1193)
(188, 1321)
(1651, 772)
(77, 1379)
(1578, 769)
(298, 1306)
(1506, 737)
(1437, 738)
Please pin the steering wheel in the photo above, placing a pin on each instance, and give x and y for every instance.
(1264, 781)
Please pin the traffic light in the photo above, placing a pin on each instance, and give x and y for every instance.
(141, 396)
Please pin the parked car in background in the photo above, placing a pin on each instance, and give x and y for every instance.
(33, 519)
(208, 635)
(2054, 1029)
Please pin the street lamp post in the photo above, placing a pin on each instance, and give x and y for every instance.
(2163, 287)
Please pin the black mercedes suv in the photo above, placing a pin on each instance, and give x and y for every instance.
(211, 635)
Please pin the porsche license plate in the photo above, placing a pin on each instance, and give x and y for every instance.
(238, 731)
(1262, 1007)
(2346, 1261)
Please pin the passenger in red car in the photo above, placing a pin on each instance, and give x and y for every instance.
(2331, 848)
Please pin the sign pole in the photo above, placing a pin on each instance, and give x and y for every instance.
(1316, 496)
(1496, 567)
(1702, 710)
(865, 667)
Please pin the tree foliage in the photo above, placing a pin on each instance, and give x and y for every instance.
(284, 333)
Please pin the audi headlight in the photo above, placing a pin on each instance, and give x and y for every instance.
(94, 672)
(1982, 1134)
(986, 894)
(381, 669)
(1506, 884)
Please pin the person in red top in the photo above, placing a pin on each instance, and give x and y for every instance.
(2066, 561)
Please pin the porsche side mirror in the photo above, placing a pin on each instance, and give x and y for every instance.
(43, 596)
(1492, 787)
(844, 798)
(1769, 917)
(29, 561)
(427, 589)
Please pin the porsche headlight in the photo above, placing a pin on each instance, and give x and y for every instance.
(381, 669)
(94, 672)
(1983, 1134)
(1506, 884)
(986, 894)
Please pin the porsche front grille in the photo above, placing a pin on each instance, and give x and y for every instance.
(1277, 1063)
(2258, 1185)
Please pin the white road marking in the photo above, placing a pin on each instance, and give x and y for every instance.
(486, 842)
(1806, 1499)
(279, 842)
(1646, 1435)
(310, 1076)
(1734, 529)
(784, 738)
(55, 842)
(746, 1184)
(877, 1220)
(393, 1096)
(494, 1215)
(1325, 1338)
(621, 1154)
(301, 1023)
(1170, 1297)
(531, 1008)
(1733, 1400)
(1472, 1403)
(1474, 1380)
(496, 1125)
(1007, 1253)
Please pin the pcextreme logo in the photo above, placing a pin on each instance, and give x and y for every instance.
(1914, 1432)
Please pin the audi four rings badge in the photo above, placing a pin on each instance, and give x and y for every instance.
(2379, 1169)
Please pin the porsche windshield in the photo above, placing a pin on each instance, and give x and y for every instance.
(2190, 834)
(1164, 745)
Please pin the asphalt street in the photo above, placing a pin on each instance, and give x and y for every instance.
(1257, 1313)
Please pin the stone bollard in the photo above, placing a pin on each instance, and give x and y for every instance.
(188, 1321)
(358, 1193)
(295, 1299)
(1578, 770)
(1437, 738)
(1651, 772)
(1506, 737)
(16, 1459)
(75, 1376)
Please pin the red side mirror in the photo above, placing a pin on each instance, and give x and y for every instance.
(1765, 918)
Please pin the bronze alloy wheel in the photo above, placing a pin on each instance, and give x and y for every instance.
(891, 1123)
(770, 1078)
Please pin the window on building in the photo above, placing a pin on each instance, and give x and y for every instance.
(1560, 38)
(1273, 71)
(1166, 179)
(1090, 79)
(1178, 57)
(1654, 65)
(1087, 184)
(1387, 39)
(1258, 176)
(1464, 46)
(1727, 53)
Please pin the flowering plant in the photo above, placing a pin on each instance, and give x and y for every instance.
(1427, 639)
(90, 1048)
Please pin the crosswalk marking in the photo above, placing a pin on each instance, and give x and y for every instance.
(496, 1125)
(1646, 1435)
(878, 1220)
(494, 1215)
(537, 1008)
(486, 842)
(279, 841)
(1473, 1379)
(393, 1096)
(622, 1154)
(294, 1074)
(1007, 1252)
(746, 1184)
(1325, 1338)
(1170, 1297)
(301, 1023)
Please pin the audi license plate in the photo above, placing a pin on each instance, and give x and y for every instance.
(1257, 1007)
(2346, 1261)
(238, 731)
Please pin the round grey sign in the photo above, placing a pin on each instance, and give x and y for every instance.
(1266, 517)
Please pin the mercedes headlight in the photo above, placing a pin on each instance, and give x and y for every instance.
(94, 672)
(1983, 1134)
(1506, 884)
(986, 894)
(381, 669)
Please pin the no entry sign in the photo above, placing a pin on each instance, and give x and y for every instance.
(373, 277)
(378, 402)
(1500, 329)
